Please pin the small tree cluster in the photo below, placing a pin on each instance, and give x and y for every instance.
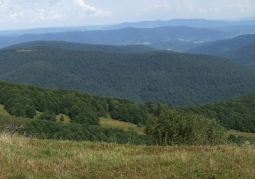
(20, 106)
(174, 127)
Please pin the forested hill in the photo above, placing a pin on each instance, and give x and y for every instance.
(126, 36)
(37, 110)
(237, 113)
(84, 47)
(84, 110)
(224, 48)
(244, 55)
(178, 79)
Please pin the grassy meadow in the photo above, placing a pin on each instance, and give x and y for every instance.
(238, 133)
(126, 126)
(31, 158)
(3, 111)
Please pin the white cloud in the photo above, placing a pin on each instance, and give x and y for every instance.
(201, 10)
(56, 16)
(40, 16)
(217, 9)
(90, 10)
(244, 5)
(48, 15)
(16, 15)
(161, 4)
(191, 9)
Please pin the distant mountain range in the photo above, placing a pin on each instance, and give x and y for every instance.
(240, 49)
(165, 77)
(224, 25)
(179, 35)
(198, 23)
(126, 36)
(12, 33)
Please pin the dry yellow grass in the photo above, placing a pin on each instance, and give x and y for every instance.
(32, 158)
(126, 126)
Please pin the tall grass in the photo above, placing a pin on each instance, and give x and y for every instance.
(31, 158)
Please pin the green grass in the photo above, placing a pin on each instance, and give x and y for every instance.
(32, 158)
(66, 118)
(3, 111)
(126, 126)
(238, 133)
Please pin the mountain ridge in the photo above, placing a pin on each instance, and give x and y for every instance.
(126, 36)
(179, 79)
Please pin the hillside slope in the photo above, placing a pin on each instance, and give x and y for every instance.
(236, 113)
(244, 55)
(179, 79)
(240, 49)
(83, 110)
(224, 47)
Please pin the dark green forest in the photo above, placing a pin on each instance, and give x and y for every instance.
(23, 101)
(245, 55)
(162, 77)
(83, 109)
(237, 113)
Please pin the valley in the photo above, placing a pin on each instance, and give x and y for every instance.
(149, 99)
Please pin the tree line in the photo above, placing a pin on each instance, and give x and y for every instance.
(84, 110)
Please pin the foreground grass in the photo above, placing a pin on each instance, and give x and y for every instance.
(32, 158)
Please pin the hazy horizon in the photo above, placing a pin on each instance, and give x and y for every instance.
(22, 14)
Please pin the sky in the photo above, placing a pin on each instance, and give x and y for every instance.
(26, 14)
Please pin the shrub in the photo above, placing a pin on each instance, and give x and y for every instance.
(174, 127)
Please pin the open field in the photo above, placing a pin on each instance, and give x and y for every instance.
(3, 111)
(238, 133)
(31, 158)
(126, 126)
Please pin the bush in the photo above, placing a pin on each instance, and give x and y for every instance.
(48, 115)
(174, 127)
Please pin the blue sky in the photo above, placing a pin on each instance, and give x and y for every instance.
(24, 14)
